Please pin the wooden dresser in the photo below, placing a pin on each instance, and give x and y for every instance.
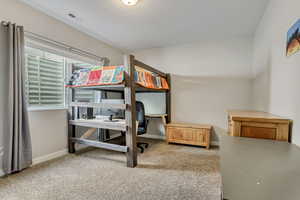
(192, 134)
(256, 124)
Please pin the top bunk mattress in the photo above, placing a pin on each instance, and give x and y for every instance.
(114, 75)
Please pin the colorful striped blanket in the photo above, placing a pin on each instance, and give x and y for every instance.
(112, 75)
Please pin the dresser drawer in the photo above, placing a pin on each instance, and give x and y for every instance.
(188, 134)
(258, 132)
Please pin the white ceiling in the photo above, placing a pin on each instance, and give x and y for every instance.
(157, 23)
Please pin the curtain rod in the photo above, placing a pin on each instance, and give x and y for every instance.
(71, 49)
(75, 50)
(4, 23)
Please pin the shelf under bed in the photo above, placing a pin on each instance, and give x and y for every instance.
(119, 88)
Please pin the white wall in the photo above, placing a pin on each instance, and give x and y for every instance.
(48, 131)
(208, 78)
(206, 99)
(217, 58)
(48, 128)
(269, 52)
(261, 90)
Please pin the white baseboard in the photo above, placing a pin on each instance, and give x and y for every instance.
(50, 156)
(38, 160)
(214, 143)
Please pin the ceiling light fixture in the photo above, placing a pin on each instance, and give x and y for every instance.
(130, 2)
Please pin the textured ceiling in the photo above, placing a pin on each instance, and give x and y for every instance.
(157, 23)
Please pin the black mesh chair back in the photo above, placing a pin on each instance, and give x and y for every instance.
(143, 123)
(141, 118)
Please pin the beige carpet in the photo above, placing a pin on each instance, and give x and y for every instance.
(164, 172)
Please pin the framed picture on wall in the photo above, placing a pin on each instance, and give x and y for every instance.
(293, 39)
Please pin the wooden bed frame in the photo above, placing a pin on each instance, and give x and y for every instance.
(129, 90)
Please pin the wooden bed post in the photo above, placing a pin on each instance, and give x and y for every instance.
(168, 99)
(72, 128)
(130, 113)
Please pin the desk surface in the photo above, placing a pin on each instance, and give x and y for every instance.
(156, 115)
(259, 169)
(254, 115)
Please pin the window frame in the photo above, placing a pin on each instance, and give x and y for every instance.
(67, 56)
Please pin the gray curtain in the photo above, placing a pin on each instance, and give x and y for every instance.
(16, 136)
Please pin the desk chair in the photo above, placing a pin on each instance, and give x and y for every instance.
(142, 124)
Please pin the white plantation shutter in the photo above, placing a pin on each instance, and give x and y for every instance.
(83, 95)
(45, 74)
(45, 77)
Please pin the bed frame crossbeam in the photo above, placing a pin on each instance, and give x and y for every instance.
(102, 145)
(149, 68)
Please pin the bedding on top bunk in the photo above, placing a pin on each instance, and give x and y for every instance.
(112, 75)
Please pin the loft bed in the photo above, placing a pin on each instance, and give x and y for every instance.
(131, 78)
(112, 78)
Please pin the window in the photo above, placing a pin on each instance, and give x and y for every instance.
(45, 77)
(82, 95)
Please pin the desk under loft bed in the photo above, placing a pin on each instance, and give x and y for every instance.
(128, 88)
